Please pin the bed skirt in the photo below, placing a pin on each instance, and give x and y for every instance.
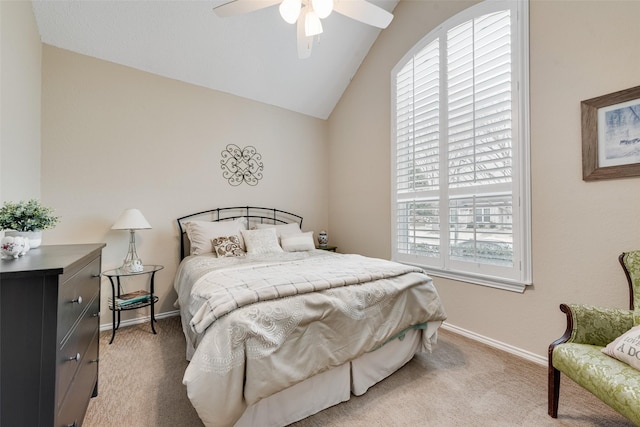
(336, 385)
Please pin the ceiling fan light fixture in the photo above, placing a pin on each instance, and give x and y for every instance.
(290, 10)
(312, 24)
(308, 13)
(323, 8)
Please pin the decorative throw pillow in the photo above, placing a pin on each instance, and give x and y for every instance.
(201, 233)
(227, 246)
(626, 348)
(261, 241)
(297, 242)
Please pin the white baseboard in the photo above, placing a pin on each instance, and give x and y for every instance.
(497, 344)
(138, 320)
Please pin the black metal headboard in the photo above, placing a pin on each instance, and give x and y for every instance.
(253, 215)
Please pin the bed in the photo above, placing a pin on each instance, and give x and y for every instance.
(278, 330)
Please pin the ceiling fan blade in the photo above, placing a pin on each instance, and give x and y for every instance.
(304, 43)
(238, 7)
(363, 11)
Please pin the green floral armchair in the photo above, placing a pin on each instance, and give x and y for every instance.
(578, 353)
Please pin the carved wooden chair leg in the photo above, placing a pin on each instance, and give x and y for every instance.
(554, 390)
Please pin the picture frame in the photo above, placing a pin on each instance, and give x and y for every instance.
(611, 135)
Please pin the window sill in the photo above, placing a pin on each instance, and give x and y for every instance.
(492, 282)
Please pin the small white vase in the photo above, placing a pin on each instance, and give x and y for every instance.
(323, 239)
(35, 237)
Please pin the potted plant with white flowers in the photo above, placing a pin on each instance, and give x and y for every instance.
(27, 219)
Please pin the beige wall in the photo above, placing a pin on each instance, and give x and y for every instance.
(20, 51)
(579, 50)
(115, 138)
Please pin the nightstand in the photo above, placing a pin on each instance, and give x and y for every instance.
(328, 248)
(116, 292)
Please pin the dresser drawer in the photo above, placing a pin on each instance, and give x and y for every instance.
(72, 409)
(74, 295)
(74, 353)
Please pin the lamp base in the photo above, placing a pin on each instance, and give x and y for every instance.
(133, 266)
(132, 263)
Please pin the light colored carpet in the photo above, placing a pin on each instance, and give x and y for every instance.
(462, 383)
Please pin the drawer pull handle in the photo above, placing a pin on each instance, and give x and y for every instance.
(94, 361)
(73, 424)
(96, 314)
(77, 300)
(75, 358)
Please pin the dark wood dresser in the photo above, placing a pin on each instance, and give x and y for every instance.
(49, 330)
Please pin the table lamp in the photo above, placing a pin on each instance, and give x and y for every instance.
(132, 220)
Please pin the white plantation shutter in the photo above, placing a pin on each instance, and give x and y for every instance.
(479, 109)
(460, 150)
(417, 123)
(418, 153)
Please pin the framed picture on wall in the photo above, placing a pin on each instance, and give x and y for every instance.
(611, 135)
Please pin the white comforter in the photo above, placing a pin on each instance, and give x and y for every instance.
(259, 324)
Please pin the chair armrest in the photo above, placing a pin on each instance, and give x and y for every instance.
(599, 326)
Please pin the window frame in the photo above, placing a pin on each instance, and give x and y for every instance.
(518, 276)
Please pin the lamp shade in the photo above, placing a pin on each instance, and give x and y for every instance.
(323, 8)
(290, 10)
(312, 24)
(131, 219)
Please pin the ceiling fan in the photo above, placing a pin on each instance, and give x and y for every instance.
(307, 15)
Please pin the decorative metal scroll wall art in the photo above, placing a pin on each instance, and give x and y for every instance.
(241, 165)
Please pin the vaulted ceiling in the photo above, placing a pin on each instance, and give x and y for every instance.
(252, 55)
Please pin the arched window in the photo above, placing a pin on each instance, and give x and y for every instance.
(460, 149)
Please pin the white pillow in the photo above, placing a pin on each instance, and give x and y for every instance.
(626, 347)
(297, 242)
(201, 233)
(281, 229)
(262, 241)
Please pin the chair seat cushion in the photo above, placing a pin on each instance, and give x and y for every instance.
(614, 382)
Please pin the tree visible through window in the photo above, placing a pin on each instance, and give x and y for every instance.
(460, 184)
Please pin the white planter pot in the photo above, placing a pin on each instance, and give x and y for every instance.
(35, 237)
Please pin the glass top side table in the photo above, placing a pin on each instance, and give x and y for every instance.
(146, 299)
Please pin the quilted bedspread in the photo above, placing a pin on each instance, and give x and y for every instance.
(259, 324)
